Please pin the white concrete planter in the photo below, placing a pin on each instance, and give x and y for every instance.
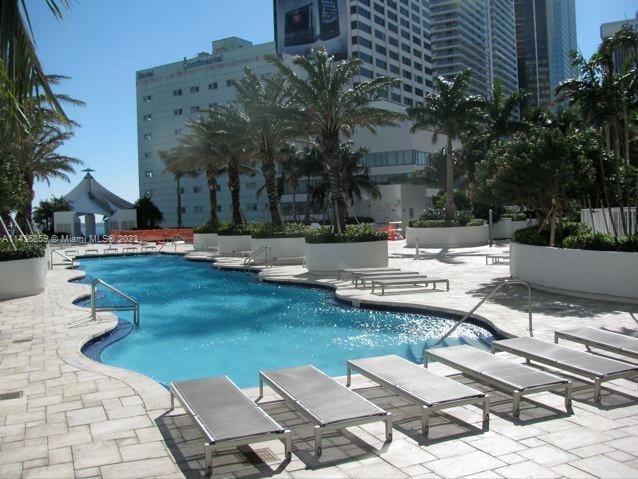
(204, 241)
(502, 229)
(281, 246)
(228, 244)
(22, 277)
(452, 237)
(608, 275)
(330, 257)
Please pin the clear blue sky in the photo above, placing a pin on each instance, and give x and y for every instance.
(100, 44)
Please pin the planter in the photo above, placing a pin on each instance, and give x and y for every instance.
(281, 246)
(452, 237)
(502, 229)
(204, 241)
(22, 277)
(331, 257)
(608, 275)
(228, 244)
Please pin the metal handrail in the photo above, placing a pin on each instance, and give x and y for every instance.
(256, 253)
(63, 256)
(135, 305)
(491, 294)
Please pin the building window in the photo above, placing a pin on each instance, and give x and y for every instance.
(178, 131)
(364, 72)
(148, 117)
(148, 154)
(229, 82)
(177, 92)
(381, 64)
(148, 136)
(197, 189)
(395, 97)
(219, 208)
(183, 209)
(212, 86)
(177, 112)
(252, 206)
(147, 99)
(194, 89)
(194, 109)
(394, 69)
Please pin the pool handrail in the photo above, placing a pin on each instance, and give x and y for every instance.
(135, 305)
(70, 260)
(262, 249)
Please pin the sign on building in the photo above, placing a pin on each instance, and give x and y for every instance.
(301, 25)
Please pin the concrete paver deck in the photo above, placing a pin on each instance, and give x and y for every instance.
(78, 418)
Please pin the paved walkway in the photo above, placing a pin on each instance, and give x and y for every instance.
(77, 418)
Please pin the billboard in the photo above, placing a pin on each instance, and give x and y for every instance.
(301, 25)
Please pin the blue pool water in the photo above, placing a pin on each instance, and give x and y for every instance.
(197, 321)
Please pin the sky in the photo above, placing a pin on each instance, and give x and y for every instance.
(100, 44)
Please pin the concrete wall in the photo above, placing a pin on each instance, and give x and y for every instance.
(452, 237)
(228, 244)
(281, 246)
(27, 277)
(331, 257)
(609, 275)
(203, 241)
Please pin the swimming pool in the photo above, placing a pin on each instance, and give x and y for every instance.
(197, 321)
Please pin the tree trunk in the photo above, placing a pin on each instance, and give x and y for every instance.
(294, 203)
(450, 208)
(234, 187)
(212, 196)
(27, 209)
(308, 201)
(331, 152)
(268, 170)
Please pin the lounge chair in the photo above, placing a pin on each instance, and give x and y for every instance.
(354, 271)
(601, 339)
(226, 416)
(323, 401)
(497, 258)
(594, 367)
(413, 281)
(486, 368)
(433, 391)
(388, 275)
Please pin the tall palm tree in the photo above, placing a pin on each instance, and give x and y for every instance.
(176, 163)
(449, 111)
(329, 105)
(267, 132)
(24, 76)
(435, 171)
(501, 112)
(149, 216)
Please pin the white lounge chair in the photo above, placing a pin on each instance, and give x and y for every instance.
(355, 271)
(323, 401)
(226, 416)
(589, 365)
(391, 275)
(601, 339)
(432, 391)
(409, 281)
(486, 368)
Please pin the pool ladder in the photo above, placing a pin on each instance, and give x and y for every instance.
(66, 260)
(253, 256)
(133, 306)
(490, 295)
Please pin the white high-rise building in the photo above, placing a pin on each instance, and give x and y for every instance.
(475, 34)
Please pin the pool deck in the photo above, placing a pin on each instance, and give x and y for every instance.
(79, 418)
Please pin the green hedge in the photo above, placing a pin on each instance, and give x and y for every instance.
(601, 242)
(443, 224)
(289, 230)
(207, 228)
(26, 250)
(353, 234)
(564, 229)
(515, 216)
(234, 230)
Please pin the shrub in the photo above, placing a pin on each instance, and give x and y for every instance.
(353, 234)
(209, 227)
(432, 214)
(25, 250)
(601, 242)
(461, 201)
(564, 229)
(482, 210)
(515, 216)
(235, 230)
(420, 223)
(359, 220)
(289, 230)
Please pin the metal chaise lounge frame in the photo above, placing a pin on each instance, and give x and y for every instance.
(496, 376)
(355, 271)
(389, 275)
(496, 257)
(417, 280)
(597, 368)
(601, 339)
(241, 403)
(299, 403)
(430, 385)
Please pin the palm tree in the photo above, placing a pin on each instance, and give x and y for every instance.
(435, 171)
(23, 74)
(449, 111)
(267, 133)
(501, 112)
(328, 105)
(44, 212)
(176, 163)
(149, 215)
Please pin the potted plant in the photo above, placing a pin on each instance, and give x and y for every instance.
(25, 266)
(431, 230)
(359, 246)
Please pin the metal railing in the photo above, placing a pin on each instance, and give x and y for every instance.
(134, 306)
(257, 252)
(69, 261)
(490, 295)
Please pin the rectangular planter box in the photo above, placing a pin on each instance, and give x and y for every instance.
(204, 241)
(22, 277)
(281, 246)
(608, 275)
(228, 244)
(331, 257)
(451, 237)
